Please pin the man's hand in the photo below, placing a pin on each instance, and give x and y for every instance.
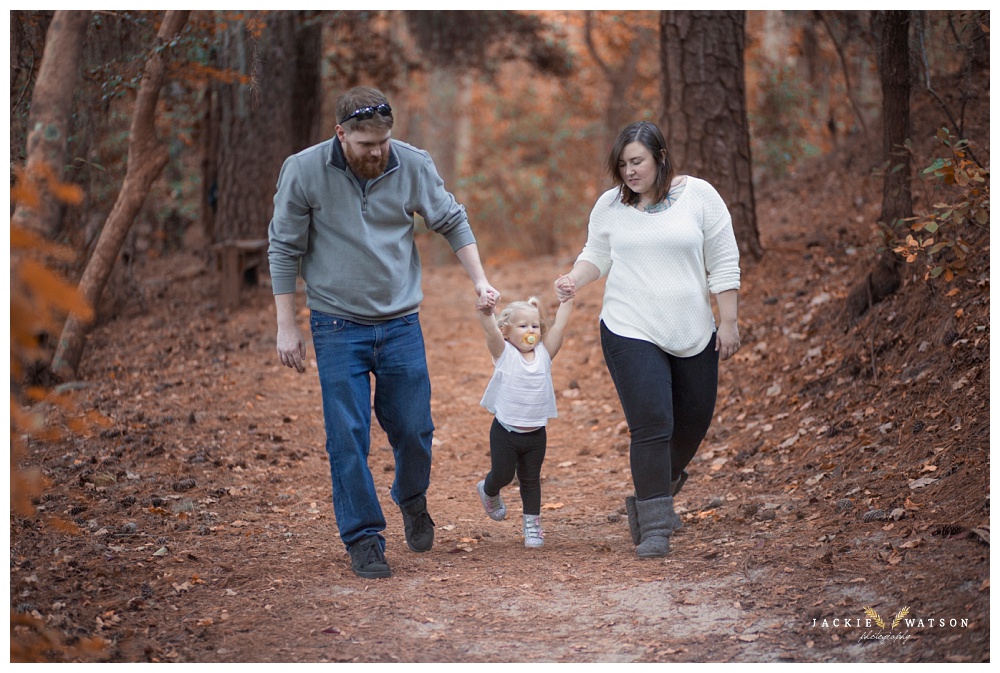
(487, 300)
(291, 347)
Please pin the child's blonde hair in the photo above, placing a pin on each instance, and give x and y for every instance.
(531, 304)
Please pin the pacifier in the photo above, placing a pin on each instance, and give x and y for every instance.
(529, 340)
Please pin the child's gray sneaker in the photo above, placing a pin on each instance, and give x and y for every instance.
(495, 509)
(533, 531)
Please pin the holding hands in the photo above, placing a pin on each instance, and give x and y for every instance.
(565, 287)
(487, 300)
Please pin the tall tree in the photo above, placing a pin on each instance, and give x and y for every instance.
(705, 109)
(620, 74)
(49, 119)
(458, 43)
(884, 278)
(147, 156)
(255, 122)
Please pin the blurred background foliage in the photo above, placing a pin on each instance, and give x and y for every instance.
(517, 108)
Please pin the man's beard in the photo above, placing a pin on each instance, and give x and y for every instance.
(366, 168)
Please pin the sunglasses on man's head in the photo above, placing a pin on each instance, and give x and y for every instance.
(364, 113)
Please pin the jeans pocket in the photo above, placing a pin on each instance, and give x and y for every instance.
(324, 323)
(411, 319)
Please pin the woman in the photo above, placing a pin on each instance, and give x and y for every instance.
(664, 242)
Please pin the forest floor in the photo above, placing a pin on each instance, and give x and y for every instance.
(846, 473)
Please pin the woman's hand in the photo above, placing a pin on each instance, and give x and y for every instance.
(727, 339)
(565, 287)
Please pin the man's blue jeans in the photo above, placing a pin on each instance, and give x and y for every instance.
(347, 355)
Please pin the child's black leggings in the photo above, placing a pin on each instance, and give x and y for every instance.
(521, 453)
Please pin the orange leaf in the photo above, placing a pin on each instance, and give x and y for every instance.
(48, 286)
(67, 192)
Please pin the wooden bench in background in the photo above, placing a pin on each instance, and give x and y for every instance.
(239, 261)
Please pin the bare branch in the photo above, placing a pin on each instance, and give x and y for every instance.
(844, 68)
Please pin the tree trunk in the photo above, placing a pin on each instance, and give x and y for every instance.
(49, 120)
(261, 121)
(705, 123)
(146, 158)
(619, 111)
(897, 199)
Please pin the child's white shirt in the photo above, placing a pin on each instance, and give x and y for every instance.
(521, 393)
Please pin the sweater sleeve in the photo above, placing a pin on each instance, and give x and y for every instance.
(288, 233)
(441, 212)
(597, 250)
(722, 255)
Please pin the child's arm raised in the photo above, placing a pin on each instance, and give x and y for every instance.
(494, 338)
(554, 336)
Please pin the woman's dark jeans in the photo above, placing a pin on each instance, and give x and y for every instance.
(668, 403)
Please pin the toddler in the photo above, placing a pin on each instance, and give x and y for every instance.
(521, 397)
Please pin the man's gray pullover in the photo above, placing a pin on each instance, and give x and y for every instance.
(355, 245)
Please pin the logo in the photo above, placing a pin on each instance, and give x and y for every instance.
(882, 636)
(874, 616)
(896, 629)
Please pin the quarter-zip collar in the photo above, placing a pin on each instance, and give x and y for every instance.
(338, 159)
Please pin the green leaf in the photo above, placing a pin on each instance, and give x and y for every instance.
(938, 164)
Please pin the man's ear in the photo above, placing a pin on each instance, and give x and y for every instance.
(341, 133)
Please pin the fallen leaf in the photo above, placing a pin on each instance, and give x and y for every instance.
(749, 637)
(553, 505)
(566, 463)
(922, 482)
(812, 481)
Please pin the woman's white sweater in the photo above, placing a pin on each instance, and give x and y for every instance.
(660, 267)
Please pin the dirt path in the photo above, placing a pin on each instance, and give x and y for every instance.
(207, 533)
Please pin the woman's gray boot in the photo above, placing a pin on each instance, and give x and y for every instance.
(655, 518)
(633, 519)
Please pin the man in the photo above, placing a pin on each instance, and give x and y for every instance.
(343, 217)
